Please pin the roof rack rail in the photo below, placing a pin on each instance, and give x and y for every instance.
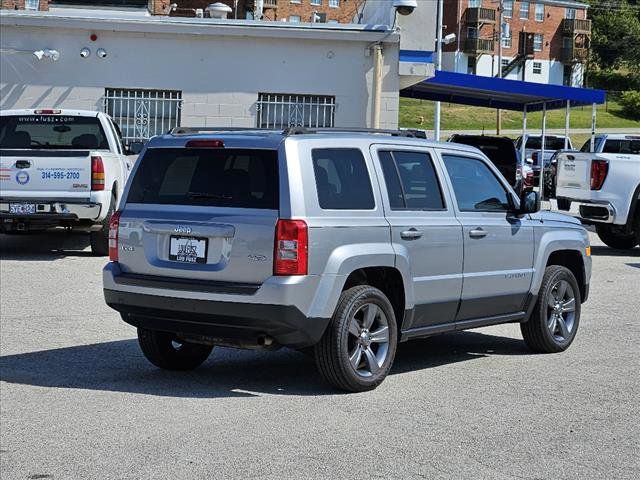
(413, 133)
(192, 130)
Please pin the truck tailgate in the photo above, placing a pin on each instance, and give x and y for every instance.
(574, 172)
(29, 173)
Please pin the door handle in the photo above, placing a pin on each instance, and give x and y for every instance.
(411, 234)
(23, 164)
(478, 233)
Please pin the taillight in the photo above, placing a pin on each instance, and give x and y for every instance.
(291, 248)
(204, 143)
(599, 170)
(114, 223)
(47, 111)
(97, 173)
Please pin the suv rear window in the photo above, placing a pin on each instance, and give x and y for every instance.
(52, 132)
(207, 177)
(550, 143)
(342, 179)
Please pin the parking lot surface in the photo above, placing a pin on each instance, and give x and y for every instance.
(78, 399)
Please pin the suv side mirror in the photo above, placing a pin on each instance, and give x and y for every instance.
(134, 148)
(529, 202)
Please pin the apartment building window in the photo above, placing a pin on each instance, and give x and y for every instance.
(283, 110)
(508, 8)
(475, 3)
(316, 2)
(296, 1)
(334, 3)
(537, 42)
(294, 18)
(570, 13)
(524, 10)
(539, 12)
(537, 68)
(506, 40)
(505, 63)
(141, 114)
(32, 4)
(472, 32)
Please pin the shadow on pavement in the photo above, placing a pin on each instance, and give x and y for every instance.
(601, 251)
(51, 245)
(119, 366)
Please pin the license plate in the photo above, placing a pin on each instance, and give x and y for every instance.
(22, 208)
(188, 249)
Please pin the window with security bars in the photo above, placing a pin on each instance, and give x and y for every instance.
(280, 110)
(142, 114)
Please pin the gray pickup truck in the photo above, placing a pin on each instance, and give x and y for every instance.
(340, 243)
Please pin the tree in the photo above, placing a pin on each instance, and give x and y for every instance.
(616, 33)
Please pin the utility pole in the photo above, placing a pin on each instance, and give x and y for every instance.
(501, 19)
(436, 120)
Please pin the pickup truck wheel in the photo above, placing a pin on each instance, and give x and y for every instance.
(615, 236)
(166, 351)
(100, 239)
(555, 318)
(357, 349)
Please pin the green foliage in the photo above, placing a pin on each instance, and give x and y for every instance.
(614, 81)
(616, 33)
(630, 102)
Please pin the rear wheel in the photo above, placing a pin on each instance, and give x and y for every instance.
(357, 350)
(167, 351)
(100, 239)
(555, 318)
(616, 236)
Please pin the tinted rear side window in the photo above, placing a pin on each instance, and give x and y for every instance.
(622, 146)
(342, 179)
(207, 177)
(411, 181)
(52, 131)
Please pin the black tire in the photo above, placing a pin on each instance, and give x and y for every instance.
(564, 204)
(165, 351)
(100, 238)
(332, 352)
(536, 331)
(636, 225)
(615, 236)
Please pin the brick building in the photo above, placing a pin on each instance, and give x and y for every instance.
(321, 11)
(545, 41)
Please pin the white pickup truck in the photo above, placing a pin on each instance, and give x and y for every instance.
(603, 187)
(61, 168)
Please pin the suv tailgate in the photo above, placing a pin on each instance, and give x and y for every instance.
(201, 215)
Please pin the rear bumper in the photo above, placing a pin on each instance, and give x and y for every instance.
(49, 214)
(593, 212)
(229, 322)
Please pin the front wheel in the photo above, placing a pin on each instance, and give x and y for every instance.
(615, 236)
(555, 318)
(167, 351)
(357, 350)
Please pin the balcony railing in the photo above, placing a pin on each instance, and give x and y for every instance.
(572, 26)
(479, 45)
(480, 15)
(575, 54)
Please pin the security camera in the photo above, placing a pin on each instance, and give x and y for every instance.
(101, 52)
(85, 52)
(405, 7)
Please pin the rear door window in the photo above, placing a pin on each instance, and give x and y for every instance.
(342, 179)
(207, 177)
(52, 132)
(411, 181)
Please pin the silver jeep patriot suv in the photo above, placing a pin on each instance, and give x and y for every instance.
(340, 243)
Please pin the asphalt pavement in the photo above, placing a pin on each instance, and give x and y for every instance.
(79, 401)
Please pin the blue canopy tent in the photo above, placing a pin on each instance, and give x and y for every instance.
(505, 94)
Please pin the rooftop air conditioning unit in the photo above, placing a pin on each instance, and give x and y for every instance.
(218, 10)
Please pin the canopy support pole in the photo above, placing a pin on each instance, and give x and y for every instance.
(593, 128)
(523, 148)
(542, 145)
(439, 27)
(567, 114)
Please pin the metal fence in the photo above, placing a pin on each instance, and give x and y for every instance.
(281, 110)
(141, 114)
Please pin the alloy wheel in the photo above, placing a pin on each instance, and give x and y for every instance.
(561, 311)
(368, 339)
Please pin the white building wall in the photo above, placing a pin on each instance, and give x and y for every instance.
(219, 75)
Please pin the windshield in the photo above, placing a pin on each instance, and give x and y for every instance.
(64, 132)
(551, 143)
